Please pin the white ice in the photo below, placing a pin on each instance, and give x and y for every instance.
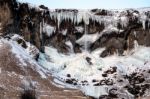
(79, 68)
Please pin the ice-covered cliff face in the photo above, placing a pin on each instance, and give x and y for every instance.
(92, 29)
(72, 30)
(102, 52)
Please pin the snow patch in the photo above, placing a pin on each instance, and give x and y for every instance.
(68, 43)
(79, 29)
(48, 29)
(88, 38)
(24, 55)
(64, 32)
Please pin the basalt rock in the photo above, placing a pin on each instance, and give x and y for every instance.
(44, 27)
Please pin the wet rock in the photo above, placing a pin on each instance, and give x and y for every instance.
(85, 82)
(69, 81)
(88, 59)
(94, 80)
(111, 70)
(104, 82)
(43, 7)
(148, 71)
(136, 78)
(135, 90)
(120, 80)
(104, 97)
(113, 93)
(28, 94)
(109, 82)
(97, 84)
(104, 75)
(104, 53)
(68, 75)
(77, 48)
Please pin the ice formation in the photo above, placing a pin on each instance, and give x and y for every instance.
(87, 66)
(85, 15)
(79, 68)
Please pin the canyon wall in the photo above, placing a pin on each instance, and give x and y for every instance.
(71, 30)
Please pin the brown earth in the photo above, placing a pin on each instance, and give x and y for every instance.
(13, 77)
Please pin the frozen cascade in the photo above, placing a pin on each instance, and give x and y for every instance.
(77, 65)
(136, 44)
(48, 29)
(143, 23)
(135, 34)
(40, 30)
(78, 17)
(124, 21)
(85, 42)
(86, 15)
(143, 18)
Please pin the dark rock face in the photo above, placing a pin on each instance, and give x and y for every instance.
(24, 20)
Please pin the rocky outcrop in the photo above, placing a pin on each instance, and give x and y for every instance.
(114, 30)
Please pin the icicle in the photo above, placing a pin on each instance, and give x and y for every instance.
(85, 42)
(43, 25)
(143, 23)
(79, 18)
(58, 19)
(143, 19)
(124, 21)
(148, 24)
(64, 32)
(72, 17)
(40, 30)
(85, 17)
(75, 18)
(136, 44)
(135, 33)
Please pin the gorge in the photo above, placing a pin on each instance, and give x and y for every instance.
(103, 53)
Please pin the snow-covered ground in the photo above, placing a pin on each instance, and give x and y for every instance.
(19, 72)
(86, 67)
(86, 71)
(25, 55)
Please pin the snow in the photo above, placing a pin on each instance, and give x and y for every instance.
(124, 21)
(95, 90)
(79, 29)
(110, 29)
(113, 18)
(24, 55)
(31, 49)
(143, 19)
(88, 38)
(48, 29)
(1, 43)
(64, 32)
(77, 66)
(68, 43)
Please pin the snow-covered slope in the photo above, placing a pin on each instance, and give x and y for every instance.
(86, 70)
(22, 77)
(24, 51)
(104, 53)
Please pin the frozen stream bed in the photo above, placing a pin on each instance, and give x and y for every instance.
(95, 76)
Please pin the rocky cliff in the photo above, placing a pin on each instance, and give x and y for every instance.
(71, 30)
(74, 45)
